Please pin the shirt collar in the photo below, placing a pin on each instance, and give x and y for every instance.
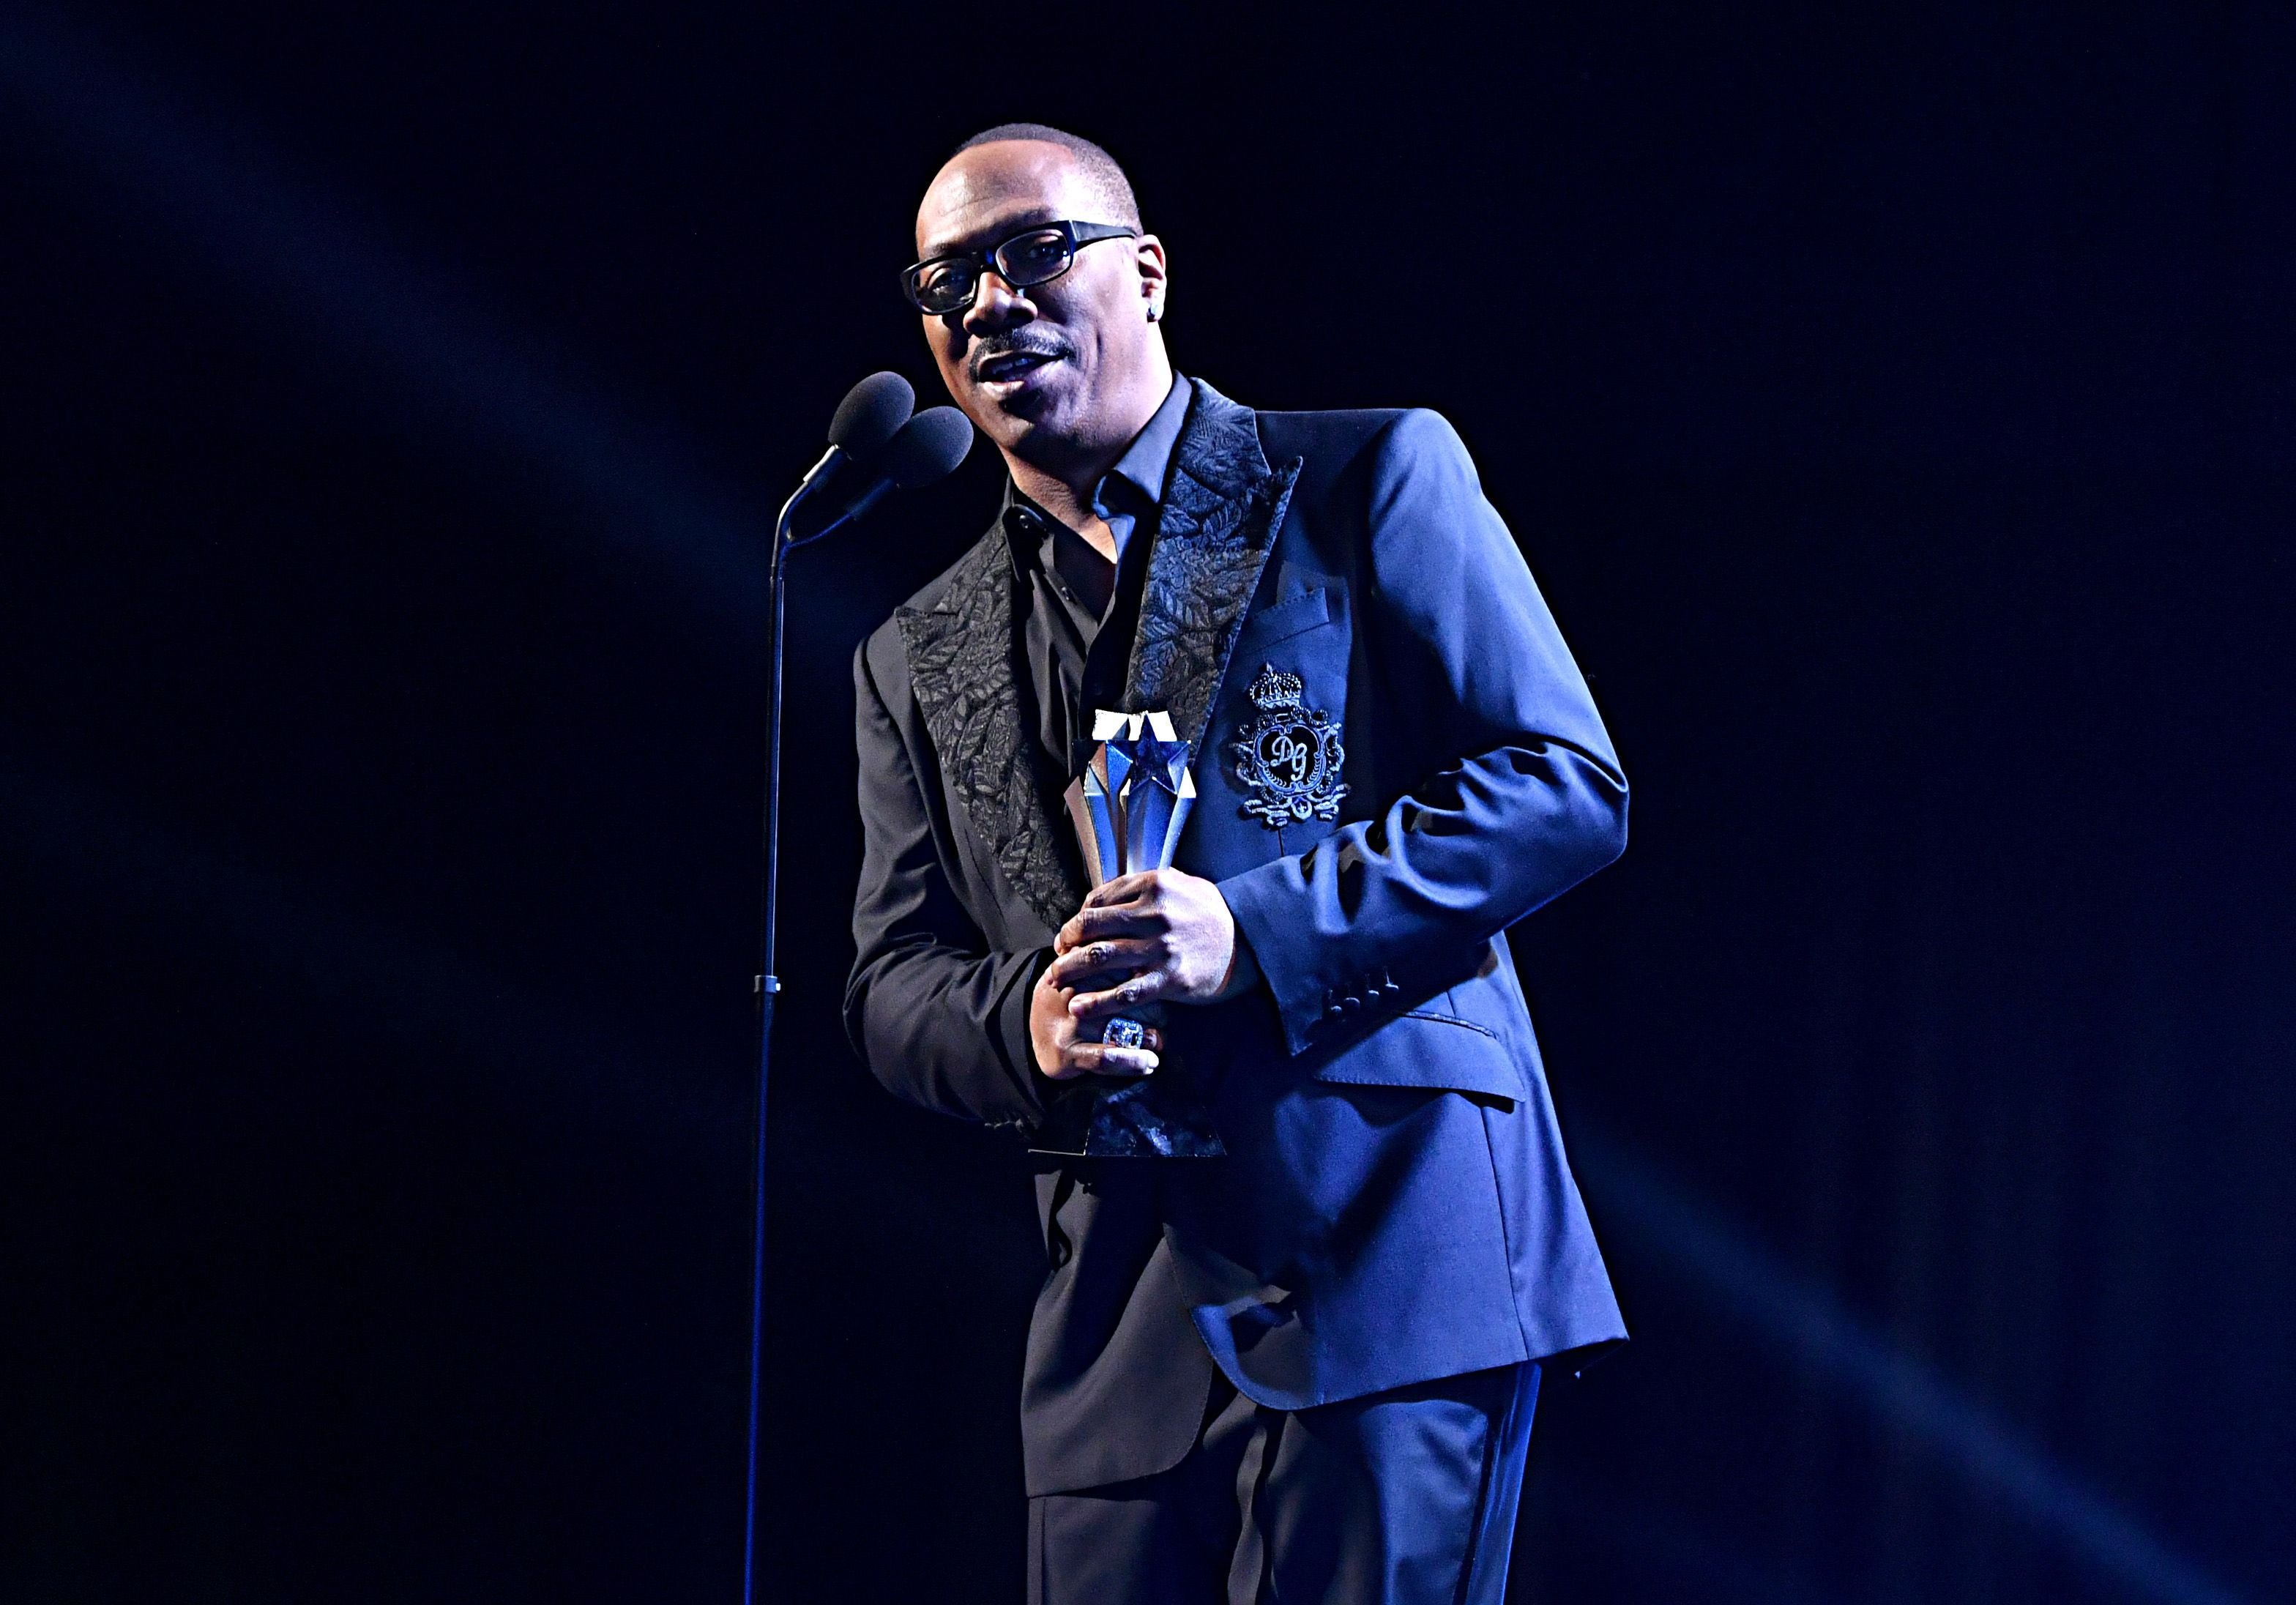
(1146, 460)
(1142, 468)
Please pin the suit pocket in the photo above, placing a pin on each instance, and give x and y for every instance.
(1439, 1052)
(1293, 616)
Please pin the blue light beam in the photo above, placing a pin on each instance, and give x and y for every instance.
(182, 174)
(1760, 1289)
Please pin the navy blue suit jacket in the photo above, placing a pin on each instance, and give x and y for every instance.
(1395, 1206)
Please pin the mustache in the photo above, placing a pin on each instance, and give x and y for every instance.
(1017, 342)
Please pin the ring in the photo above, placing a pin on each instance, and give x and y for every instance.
(1122, 1033)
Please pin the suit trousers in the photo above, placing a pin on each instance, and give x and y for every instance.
(1406, 1497)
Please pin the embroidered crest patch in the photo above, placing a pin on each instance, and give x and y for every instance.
(1289, 757)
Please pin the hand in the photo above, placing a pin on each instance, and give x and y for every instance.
(1163, 936)
(1065, 1048)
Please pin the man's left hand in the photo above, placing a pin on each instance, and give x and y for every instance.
(1163, 934)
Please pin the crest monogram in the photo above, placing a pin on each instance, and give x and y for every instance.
(1289, 757)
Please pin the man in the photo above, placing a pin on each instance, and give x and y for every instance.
(1304, 1371)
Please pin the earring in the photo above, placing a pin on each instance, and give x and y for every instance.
(1151, 315)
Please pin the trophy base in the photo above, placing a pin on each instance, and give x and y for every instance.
(1143, 1119)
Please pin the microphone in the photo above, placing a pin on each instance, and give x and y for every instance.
(872, 413)
(874, 428)
(926, 448)
(930, 447)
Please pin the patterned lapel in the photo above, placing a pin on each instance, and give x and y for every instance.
(965, 673)
(1221, 510)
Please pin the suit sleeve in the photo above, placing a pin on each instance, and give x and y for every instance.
(940, 1019)
(1529, 798)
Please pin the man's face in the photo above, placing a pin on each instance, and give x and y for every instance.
(1048, 372)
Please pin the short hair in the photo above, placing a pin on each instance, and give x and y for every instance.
(1100, 169)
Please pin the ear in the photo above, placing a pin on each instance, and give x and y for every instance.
(1148, 252)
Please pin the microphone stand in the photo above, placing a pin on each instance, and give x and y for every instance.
(768, 983)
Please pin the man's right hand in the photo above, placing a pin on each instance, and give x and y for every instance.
(1065, 1051)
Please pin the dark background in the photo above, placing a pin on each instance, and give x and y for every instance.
(1898, 413)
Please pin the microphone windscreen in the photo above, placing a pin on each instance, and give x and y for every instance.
(929, 447)
(871, 413)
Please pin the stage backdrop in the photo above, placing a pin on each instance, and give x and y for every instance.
(1898, 413)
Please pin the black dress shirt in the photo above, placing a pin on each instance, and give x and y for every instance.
(1082, 610)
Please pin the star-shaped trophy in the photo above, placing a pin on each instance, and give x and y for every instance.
(1129, 806)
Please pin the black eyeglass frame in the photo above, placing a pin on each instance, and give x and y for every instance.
(1074, 237)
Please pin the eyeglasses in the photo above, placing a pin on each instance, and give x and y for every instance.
(940, 285)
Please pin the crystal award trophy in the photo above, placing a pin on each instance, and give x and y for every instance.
(1129, 806)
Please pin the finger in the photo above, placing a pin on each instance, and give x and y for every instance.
(1102, 961)
(1150, 1039)
(1140, 990)
(1105, 1059)
(1091, 925)
(1105, 924)
(1124, 889)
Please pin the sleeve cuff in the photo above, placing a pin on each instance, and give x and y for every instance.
(1267, 902)
(1013, 1019)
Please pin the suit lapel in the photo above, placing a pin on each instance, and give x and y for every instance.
(1223, 508)
(965, 673)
